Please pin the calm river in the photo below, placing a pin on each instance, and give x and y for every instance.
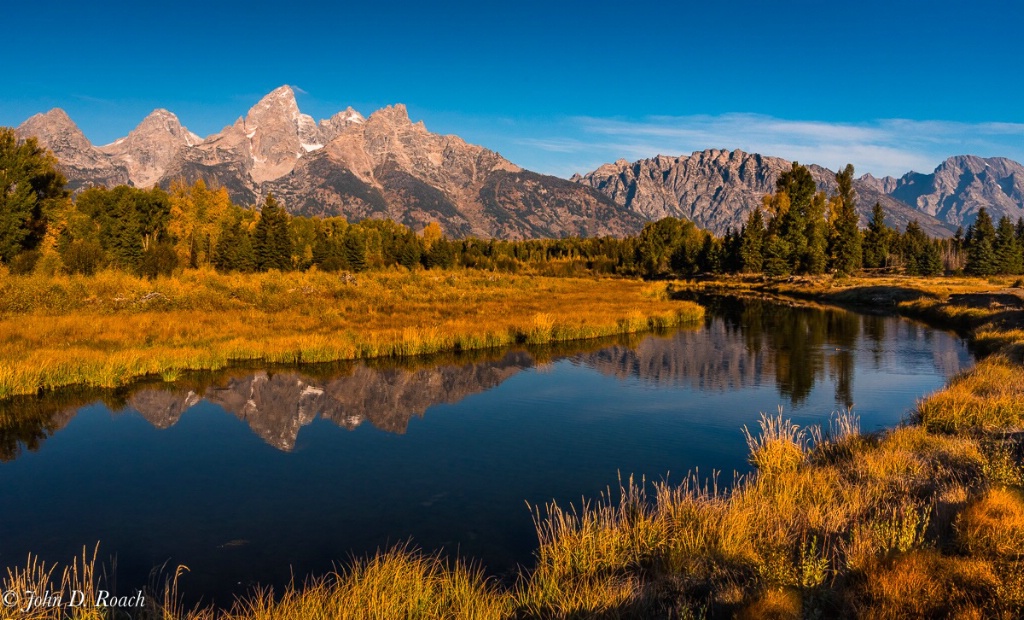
(257, 475)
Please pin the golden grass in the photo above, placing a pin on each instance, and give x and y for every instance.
(36, 578)
(994, 524)
(397, 583)
(990, 396)
(925, 520)
(111, 328)
(843, 532)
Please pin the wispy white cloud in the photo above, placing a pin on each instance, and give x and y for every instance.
(882, 147)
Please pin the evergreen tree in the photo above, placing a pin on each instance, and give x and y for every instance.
(815, 259)
(752, 243)
(930, 261)
(981, 255)
(234, 249)
(440, 256)
(122, 236)
(272, 243)
(409, 250)
(354, 248)
(846, 245)
(1009, 256)
(30, 188)
(711, 255)
(1020, 231)
(914, 246)
(777, 253)
(876, 240)
(798, 185)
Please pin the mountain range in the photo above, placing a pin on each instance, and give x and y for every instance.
(385, 165)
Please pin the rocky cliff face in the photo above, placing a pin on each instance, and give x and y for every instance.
(388, 166)
(81, 162)
(381, 166)
(962, 185)
(718, 189)
(150, 149)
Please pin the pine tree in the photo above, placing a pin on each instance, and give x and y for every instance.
(777, 253)
(409, 250)
(234, 251)
(846, 243)
(981, 255)
(914, 247)
(732, 245)
(930, 262)
(30, 188)
(798, 185)
(272, 242)
(354, 248)
(876, 240)
(122, 237)
(1009, 257)
(711, 255)
(815, 258)
(752, 243)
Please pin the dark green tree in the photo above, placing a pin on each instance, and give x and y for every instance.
(981, 254)
(815, 259)
(440, 256)
(668, 245)
(920, 255)
(410, 250)
(272, 242)
(794, 223)
(30, 187)
(877, 240)
(845, 248)
(1009, 255)
(234, 249)
(354, 248)
(712, 255)
(752, 243)
(121, 232)
(777, 253)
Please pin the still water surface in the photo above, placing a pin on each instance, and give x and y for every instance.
(255, 476)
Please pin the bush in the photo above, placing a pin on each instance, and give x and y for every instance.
(25, 263)
(84, 257)
(159, 260)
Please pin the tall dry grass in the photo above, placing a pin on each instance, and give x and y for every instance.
(925, 520)
(108, 329)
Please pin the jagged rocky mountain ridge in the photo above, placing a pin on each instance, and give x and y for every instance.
(717, 189)
(381, 166)
(387, 166)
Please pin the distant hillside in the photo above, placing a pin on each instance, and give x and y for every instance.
(718, 189)
(387, 166)
(381, 166)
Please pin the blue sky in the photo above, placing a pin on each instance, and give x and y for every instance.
(556, 87)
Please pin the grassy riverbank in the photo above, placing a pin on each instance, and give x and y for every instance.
(109, 329)
(925, 520)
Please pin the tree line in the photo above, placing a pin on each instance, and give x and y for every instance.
(151, 232)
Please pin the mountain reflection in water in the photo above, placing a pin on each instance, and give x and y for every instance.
(742, 344)
(264, 475)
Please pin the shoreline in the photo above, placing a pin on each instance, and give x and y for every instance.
(112, 329)
(922, 519)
